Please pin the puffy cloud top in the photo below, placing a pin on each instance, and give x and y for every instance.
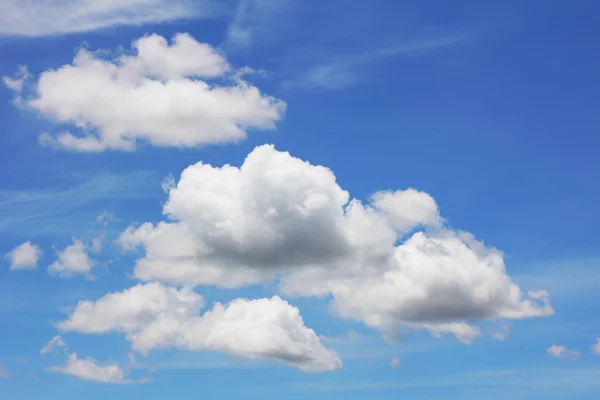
(156, 316)
(277, 216)
(164, 93)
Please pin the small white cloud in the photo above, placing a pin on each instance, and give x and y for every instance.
(596, 347)
(181, 93)
(88, 369)
(24, 256)
(395, 361)
(55, 343)
(562, 352)
(72, 261)
(43, 17)
(17, 81)
(154, 316)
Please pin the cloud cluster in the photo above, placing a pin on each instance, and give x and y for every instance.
(277, 216)
(41, 17)
(180, 93)
(156, 316)
(24, 257)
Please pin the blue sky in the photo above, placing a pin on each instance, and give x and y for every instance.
(486, 109)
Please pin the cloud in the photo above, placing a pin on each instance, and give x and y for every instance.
(155, 316)
(164, 93)
(41, 17)
(343, 71)
(395, 361)
(596, 347)
(72, 261)
(55, 343)
(62, 210)
(24, 257)
(255, 17)
(88, 369)
(277, 216)
(16, 82)
(562, 352)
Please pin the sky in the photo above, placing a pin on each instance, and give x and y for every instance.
(266, 198)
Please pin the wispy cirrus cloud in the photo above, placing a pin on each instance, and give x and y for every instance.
(37, 211)
(42, 17)
(254, 18)
(342, 71)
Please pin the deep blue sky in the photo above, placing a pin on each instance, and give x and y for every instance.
(498, 122)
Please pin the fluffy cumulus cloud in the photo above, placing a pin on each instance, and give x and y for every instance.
(156, 316)
(72, 261)
(596, 347)
(180, 93)
(562, 352)
(390, 262)
(88, 369)
(43, 17)
(24, 256)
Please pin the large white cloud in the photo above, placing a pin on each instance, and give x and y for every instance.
(43, 17)
(88, 369)
(277, 216)
(24, 257)
(164, 93)
(155, 316)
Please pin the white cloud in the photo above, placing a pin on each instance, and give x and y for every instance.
(16, 82)
(395, 361)
(4, 374)
(277, 216)
(155, 316)
(164, 93)
(88, 369)
(596, 347)
(562, 352)
(72, 261)
(55, 343)
(24, 257)
(43, 17)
